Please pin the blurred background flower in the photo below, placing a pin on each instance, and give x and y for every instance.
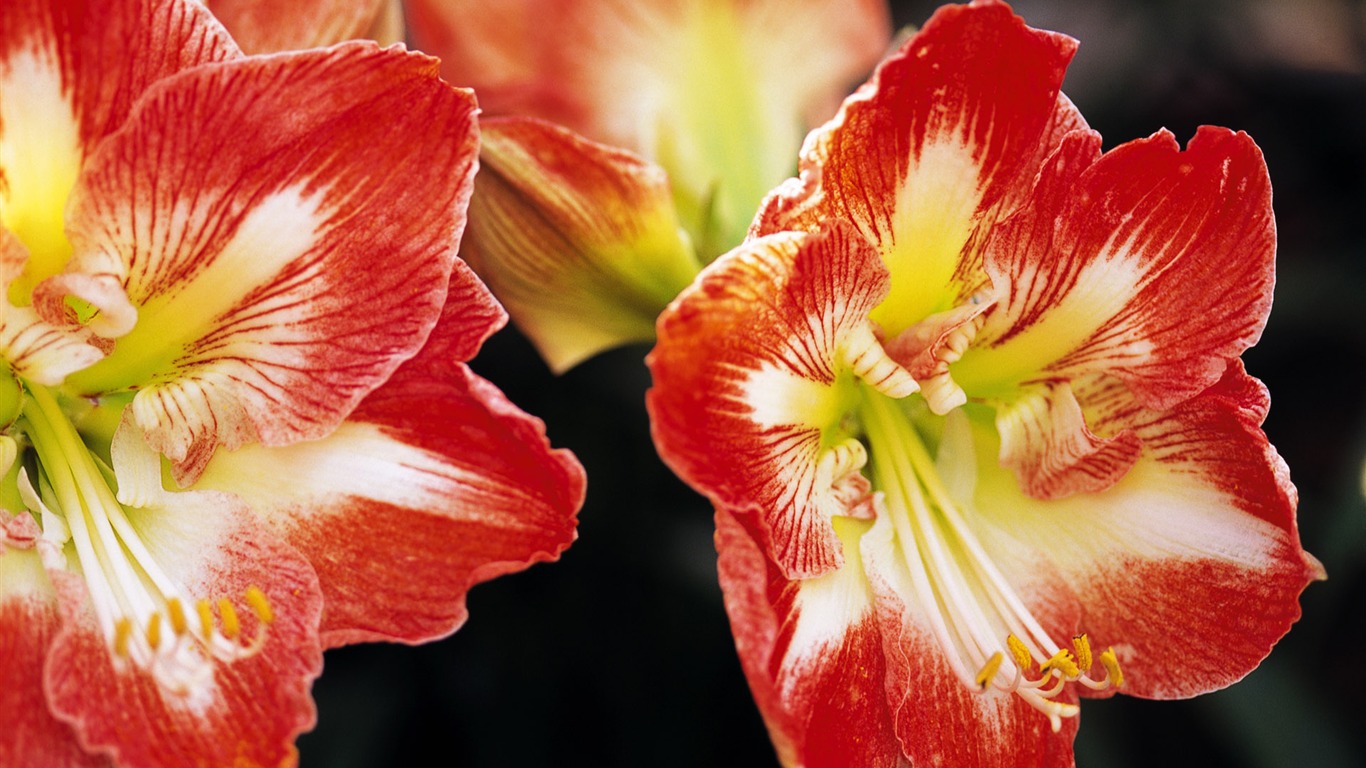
(621, 655)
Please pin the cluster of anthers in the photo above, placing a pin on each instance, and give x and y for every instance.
(178, 662)
(1055, 673)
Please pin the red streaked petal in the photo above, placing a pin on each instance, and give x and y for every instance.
(246, 711)
(435, 483)
(277, 277)
(263, 26)
(1045, 440)
(580, 241)
(752, 374)
(1189, 566)
(41, 352)
(812, 653)
(70, 72)
(945, 133)
(29, 621)
(1152, 263)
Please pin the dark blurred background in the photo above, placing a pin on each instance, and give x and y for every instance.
(620, 654)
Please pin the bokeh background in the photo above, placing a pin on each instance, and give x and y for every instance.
(620, 654)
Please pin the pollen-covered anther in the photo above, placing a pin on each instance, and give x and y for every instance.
(989, 670)
(1112, 672)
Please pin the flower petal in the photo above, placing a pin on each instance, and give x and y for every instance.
(752, 377)
(28, 622)
(69, 74)
(1152, 263)
(250, 247)
(1045, 440)
(263, 26)
(435, 483)
(579, 241)
(812, 653)
(1189, 566)
(929, 151)
(249, 710)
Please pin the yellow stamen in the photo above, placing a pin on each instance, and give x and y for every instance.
(1063, 662)
(176, 613)
(123, 630)
(1023, 659)
(1082, 645)
(228, 614)
(154, 630)
(259, 604)
(1111, 664)
(989, 669)
(205, 612)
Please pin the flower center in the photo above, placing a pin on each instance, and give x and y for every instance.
(990, 637)
(148, 618)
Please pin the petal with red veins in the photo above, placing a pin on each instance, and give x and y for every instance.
(277, 278)
(28, 622)
(469, 317)
(811, 651)
(69, 74)
(1189, 566)
(264, 26)
(31, 736)
(435, 483)
(1151, 263)
(580, 241)
(754, 372)
(1045, 440)
(244, 711)
(924, 156)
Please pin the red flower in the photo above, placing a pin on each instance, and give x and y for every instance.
(970, 407)
(206, 275)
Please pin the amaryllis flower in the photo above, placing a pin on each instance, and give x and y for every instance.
(632, 141)
(237, 425)
(970, 408)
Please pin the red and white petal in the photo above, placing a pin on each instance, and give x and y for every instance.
(277, 277)
(1151, 263)
(69, 75)
(40, 352)
(435, 483)
(1189, 566)
(580, 241)
(31, 736)
(264, 26)
(922, 158)
(28, 622)
(245, 711)
(812, 652)
(754, 371)
(1045, 441)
